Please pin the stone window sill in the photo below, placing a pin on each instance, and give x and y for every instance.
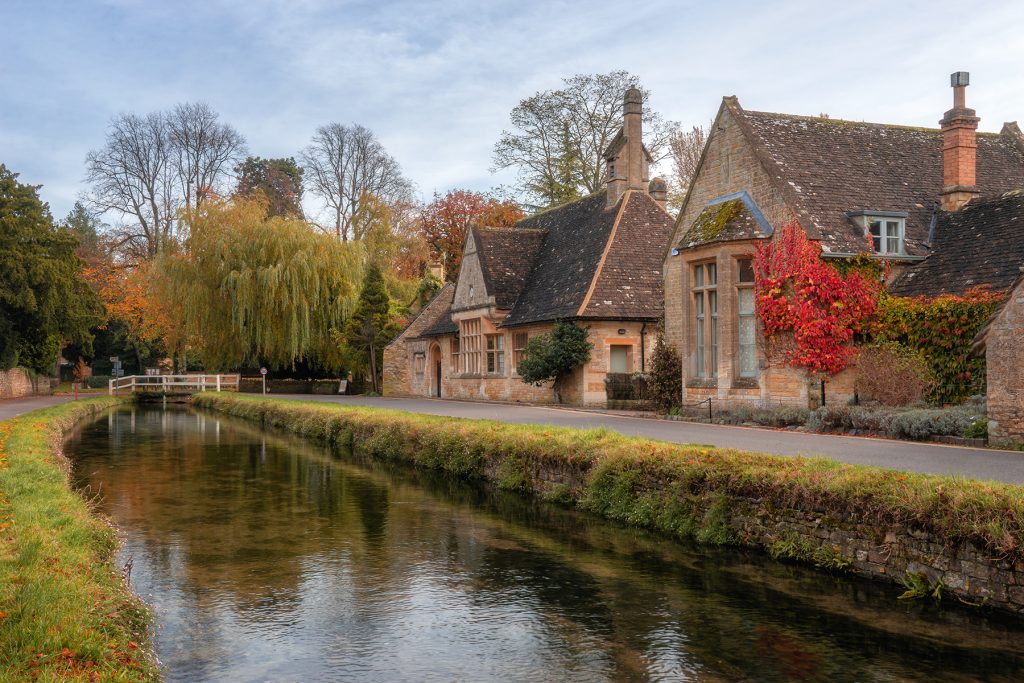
(746, 383)
(702, 383)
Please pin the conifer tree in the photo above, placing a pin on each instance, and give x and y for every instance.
(370, 328)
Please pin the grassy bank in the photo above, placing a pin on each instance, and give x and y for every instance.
(65, 612)
(686, 491)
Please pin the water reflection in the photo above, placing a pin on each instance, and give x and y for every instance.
(268, 558)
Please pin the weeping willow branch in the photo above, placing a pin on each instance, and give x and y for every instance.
(261, 290)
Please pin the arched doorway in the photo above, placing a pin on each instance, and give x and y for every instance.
(435, 371)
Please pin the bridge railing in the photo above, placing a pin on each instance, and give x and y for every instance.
(174, 383)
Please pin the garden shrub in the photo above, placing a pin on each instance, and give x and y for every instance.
(926, 422)
(98, 381)
(977, 429)
(892, 374)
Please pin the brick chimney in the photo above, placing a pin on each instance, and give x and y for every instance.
(626, 157)
(959, 145)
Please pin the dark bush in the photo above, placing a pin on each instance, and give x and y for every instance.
(892, 374)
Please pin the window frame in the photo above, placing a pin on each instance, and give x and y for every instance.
(751, 315)
(453, 349)
(471, 346)
(494, 348)
(519, 342)
(704, 299)
(885, 223)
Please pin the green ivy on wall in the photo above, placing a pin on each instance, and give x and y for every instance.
(942, 330)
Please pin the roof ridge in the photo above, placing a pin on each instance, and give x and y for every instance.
(509, 228)
(549, 209)
(851, 122)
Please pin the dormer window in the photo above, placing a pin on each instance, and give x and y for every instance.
(886, 234)
(884, 229)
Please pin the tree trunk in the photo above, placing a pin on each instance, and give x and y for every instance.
(373, 370)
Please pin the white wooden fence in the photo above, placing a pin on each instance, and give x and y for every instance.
(175, 383)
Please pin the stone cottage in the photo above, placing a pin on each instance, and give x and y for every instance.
(908, 195)
(595, 261)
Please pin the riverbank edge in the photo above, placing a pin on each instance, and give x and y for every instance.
(937, 535)
(66, 611)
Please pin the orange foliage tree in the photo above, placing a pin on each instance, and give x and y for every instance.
(807, 302)
(445, 221)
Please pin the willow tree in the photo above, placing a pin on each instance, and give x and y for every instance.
(260, 289)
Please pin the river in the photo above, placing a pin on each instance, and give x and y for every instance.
(269, 558)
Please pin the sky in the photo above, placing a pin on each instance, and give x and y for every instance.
(436, 80)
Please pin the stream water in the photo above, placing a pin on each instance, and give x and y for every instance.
(269, 558)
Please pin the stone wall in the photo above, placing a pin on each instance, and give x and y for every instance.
(729, 166)
(15, 383)
(1004, 351)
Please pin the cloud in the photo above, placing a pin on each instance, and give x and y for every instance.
(436, 80)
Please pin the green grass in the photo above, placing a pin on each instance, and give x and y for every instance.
(65, 612)
(684, 490)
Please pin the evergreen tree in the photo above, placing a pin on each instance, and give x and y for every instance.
(43, 301)
(370, 328)
(666, 379)
(278, 180)
(552, 356)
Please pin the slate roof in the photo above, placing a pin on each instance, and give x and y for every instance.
(435, 319)
(580, 246)
(630, 283)
(734, 217)
(567, 260)
(982, 244)
(506, 258)
(828, 167)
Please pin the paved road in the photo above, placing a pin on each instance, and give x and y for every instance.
(977, 463)
(16, 406)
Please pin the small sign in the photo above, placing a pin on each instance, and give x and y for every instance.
(263, 371)
(342, 386)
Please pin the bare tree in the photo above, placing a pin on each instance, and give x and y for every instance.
(345, 164)
(685, 150)
(150, 167)
(205, 150)
(560, 135)
(131, 176)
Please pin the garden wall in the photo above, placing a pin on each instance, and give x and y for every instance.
(16, 383)
(964, 537)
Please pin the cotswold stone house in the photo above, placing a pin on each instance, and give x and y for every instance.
(909, 195)
(596, 262)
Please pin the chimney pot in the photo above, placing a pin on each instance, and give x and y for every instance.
(960, 79)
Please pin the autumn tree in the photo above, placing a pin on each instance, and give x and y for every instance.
(370, 327)
(44, 303)
(153, 166)
(445, 221)
(558, 136)
(277, 181)
(552, 356)
(257, 288)
(344, 166)
(808, 310)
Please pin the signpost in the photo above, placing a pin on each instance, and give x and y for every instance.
(263, 375)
